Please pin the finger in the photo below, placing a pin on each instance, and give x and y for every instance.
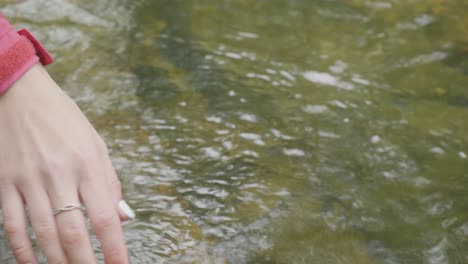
(104, 220)
(15, 226)
(43, 223)
(72, 229)
(123, 209)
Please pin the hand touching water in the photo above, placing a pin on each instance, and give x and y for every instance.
(51, 157)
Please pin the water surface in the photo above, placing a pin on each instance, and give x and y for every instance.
(274, 131)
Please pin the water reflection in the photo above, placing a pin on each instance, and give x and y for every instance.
(275, 132)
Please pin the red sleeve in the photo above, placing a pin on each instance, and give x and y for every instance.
(19, 51)
(5, 27)
(8, 36)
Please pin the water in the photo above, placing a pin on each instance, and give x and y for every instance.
(274, 131)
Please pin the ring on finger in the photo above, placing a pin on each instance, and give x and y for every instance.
(67, 208)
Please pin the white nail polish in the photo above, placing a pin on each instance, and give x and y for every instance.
(126, 209)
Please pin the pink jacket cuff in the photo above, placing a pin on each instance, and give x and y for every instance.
(19, 51)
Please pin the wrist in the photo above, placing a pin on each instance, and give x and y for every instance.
(31, 88)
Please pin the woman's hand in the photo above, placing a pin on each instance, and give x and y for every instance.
(51, 157)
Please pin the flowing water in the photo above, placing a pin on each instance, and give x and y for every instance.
(299, 131)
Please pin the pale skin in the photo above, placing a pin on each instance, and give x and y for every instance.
(50, 157)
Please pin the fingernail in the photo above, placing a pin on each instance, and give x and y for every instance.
(126, 209)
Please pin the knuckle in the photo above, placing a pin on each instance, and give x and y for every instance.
(73, 235)
(116, 255)
(58, 261)
(116, 186)
(103, 220)
(12, 228)
(5, 176)
(22, 253)
(81, 159)
(102, 146)
(45, 232)
(84, 163)
(50, 166)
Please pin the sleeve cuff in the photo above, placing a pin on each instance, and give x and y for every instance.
(19, 51)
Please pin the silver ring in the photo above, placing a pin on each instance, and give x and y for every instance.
(67, 208)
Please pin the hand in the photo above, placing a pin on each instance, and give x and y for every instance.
(50, 157)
